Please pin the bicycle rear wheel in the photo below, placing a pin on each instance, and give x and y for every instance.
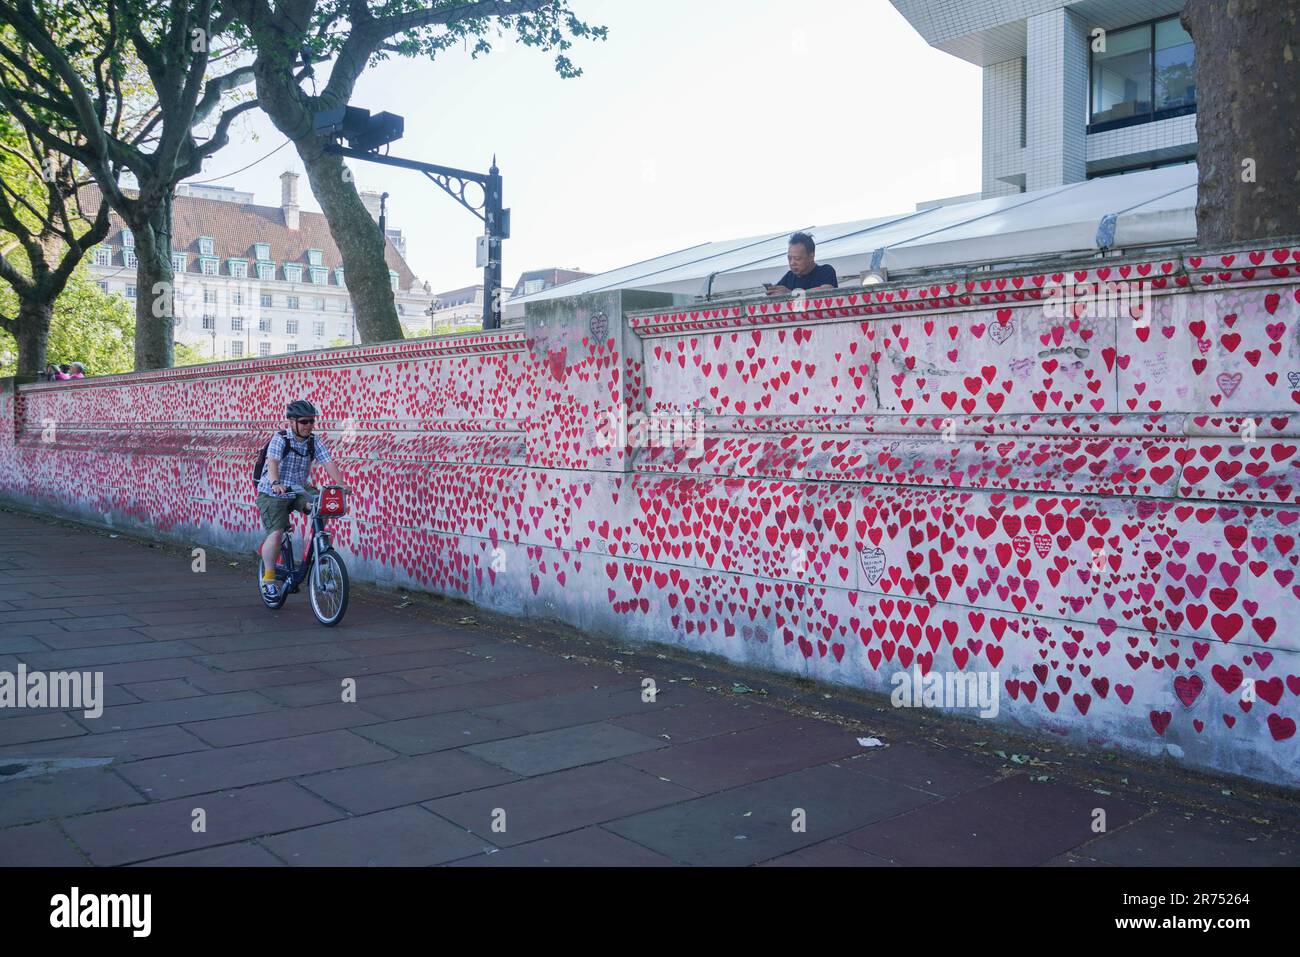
(328, 586)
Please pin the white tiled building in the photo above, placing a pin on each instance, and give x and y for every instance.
(1072, 88)
(256, 280)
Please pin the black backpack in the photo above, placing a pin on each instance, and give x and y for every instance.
(288, 447)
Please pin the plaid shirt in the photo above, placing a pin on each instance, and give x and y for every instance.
(294, 469)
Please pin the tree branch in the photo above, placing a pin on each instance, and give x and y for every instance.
(217, 87)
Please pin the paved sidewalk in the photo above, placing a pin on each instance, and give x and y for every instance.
(475, 740)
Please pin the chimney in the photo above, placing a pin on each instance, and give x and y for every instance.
(289, 198)
(370, 199)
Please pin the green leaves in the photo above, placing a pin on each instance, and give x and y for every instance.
(90, 326)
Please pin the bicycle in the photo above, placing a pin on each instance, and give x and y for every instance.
(328, 584)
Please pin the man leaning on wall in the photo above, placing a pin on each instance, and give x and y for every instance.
(804, 272)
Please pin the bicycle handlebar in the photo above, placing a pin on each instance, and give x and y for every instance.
(301, 490)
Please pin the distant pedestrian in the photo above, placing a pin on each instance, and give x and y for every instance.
(78, 371)
(50, 370)
(63, 374)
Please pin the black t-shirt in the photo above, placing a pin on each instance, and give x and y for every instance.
(823, 275)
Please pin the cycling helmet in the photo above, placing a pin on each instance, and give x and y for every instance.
(300, 409)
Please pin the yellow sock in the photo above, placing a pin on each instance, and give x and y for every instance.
(268, 575)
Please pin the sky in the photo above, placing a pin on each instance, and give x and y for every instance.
(695, 121)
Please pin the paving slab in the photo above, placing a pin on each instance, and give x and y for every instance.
(120, 745)
(548, 751)
(164, 828)
(555, 803)
(437, 732)
(728, 760)
(757, 822)
(168, 689)
(63, 794)
(362, 663)
(1198, 840)
(243, 854)
(319, 689)
(37, 845)
(405, 780)
(280, 723)
(401, 837)
(1014, 822)
(266, 681)
(179, 711)
(569, 710)
(104, 655)
(409, 704)
(264, 761)
(691, 722)
(588, 847)
(26, 726)
(827, 854)
(63, 640)
(930, 769)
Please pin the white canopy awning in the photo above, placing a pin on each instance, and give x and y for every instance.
(1149, 208)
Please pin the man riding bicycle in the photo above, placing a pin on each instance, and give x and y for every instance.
(289, 457)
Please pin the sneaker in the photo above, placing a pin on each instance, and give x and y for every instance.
(270, 590)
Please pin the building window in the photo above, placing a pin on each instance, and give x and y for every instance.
(291, 327)
(291, 302)
(209, 321)
(266, 300)
(338, 275)
(1146, 72)
(319, 304)
(208, 265)
(345, 329)
(128, 257)
(264, 325)
(534, 285)
(392, 279)
(262, 251)
(179, 262)
(264, 348)
(236, 348)
(236, 323)
(207, 246)
(236, 298)
(209, 296)
(292, 272)
(318, 329)
(128, 238)
(103, 255)
(1175, 66)
(293, 347)
(314, 257)
(103, 287)
(237, 268)
(130, 290)
(266, 271)
(319, 275)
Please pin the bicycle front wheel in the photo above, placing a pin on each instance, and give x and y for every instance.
(328, 586)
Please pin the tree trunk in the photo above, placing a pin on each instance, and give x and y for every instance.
(1247, 104)
(33, 334)
(155, 288)
(354, 230)
(357, 235)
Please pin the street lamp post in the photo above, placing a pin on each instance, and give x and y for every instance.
(366, 134)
